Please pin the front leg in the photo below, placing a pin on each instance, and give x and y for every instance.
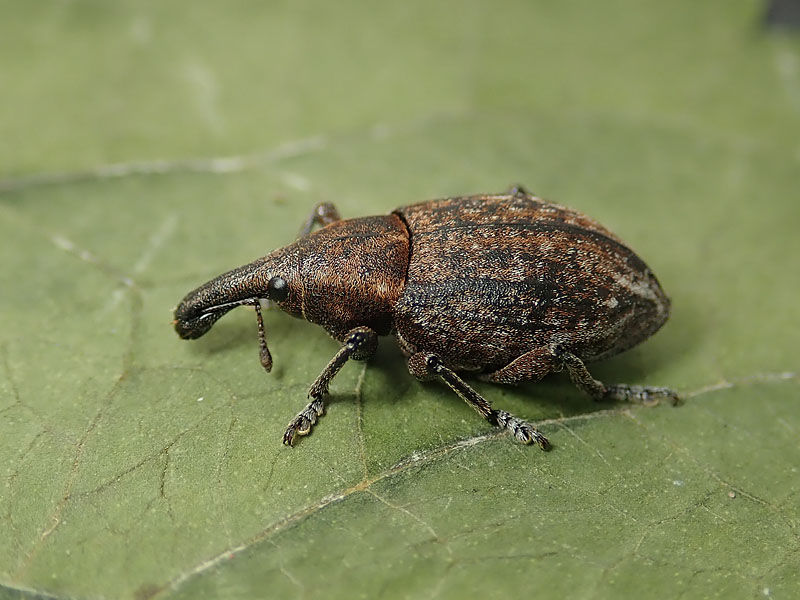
(359, 344)
(323, 214)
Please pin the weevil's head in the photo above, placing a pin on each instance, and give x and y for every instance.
(347, 274)
(274, 277)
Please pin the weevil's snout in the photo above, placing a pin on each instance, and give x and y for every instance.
(191, 322)
(197, 313)
(267, 277)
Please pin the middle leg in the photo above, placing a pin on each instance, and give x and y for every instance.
(426, 365)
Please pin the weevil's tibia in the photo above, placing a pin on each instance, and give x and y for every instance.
(323, 214)
(359, 344)
(422, 365)
(599, 391)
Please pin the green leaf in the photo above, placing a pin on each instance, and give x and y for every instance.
(151, 146)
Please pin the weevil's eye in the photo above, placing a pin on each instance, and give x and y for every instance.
(277, 289)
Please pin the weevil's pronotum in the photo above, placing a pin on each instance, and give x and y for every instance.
(508, 286)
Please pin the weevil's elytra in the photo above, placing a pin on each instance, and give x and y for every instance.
(508, 286)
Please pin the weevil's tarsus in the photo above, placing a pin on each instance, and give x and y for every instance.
(323, 214)
(304, 421)
(263, 351)
(649, 396)
(359, 344)
(423, 365)
(599, 391)
(522, 430)
(517, 190)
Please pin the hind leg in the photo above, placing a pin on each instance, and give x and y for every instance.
(599, 391)
(531, 366)
(537, 363)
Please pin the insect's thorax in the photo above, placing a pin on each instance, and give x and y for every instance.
(353, 272)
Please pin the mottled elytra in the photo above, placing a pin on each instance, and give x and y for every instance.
(508, 286)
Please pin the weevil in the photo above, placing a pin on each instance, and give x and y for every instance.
(507, 286)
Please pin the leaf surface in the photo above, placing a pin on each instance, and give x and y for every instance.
(151, 146)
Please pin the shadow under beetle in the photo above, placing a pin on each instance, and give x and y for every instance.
(509, 286)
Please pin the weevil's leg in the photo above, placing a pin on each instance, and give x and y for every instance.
(517, 190)
(359, 344)
(323, 214)
(263, 351)
(424, 365)
(531, 366)
(599, 391)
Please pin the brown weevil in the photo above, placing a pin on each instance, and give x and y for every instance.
(508, 286)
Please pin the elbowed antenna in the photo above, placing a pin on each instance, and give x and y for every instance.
(263, 351)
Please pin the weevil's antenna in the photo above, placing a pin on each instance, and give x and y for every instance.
(264, 355)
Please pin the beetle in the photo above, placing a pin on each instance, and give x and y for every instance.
(508, 286)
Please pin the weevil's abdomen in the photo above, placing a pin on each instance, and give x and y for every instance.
(493, 277)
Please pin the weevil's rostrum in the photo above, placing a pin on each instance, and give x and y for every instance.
(508, 286)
